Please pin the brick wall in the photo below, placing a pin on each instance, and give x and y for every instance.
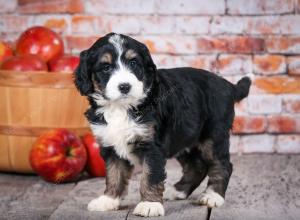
(233, 38)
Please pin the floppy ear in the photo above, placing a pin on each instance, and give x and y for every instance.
(147, 59)
(148, 62)
(83, 79)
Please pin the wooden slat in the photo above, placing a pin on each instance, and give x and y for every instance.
(35, 131)
(36, 79)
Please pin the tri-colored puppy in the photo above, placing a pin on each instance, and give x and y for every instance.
(143, 115)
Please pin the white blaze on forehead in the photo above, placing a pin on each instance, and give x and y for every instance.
(123, 75)
(117, 41)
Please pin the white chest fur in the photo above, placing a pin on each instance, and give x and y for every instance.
(120, 130)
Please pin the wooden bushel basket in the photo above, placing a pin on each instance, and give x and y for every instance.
(30, 104)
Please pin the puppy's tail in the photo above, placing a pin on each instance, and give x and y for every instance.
(241, 89)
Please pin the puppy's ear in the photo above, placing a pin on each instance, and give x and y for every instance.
(148, 62)
(83, 79)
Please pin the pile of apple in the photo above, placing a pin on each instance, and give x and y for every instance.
(60, 156)
(37, 49)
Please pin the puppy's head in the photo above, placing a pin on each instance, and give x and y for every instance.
(117, 69)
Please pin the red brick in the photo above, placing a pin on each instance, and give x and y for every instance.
(256, 25)
(167, 61)
(170, 44)
(259, 7)
(293, 65)
(278, 84)
(58, 23)
(156, 24)
(284, 44)
(240, 107)
(53, 6)
(249, 124)
(228, 25)
(264, 104)
(283, 124)
(291, 103)
(207, 62)
(265, 25)
(10, 38)
(287, 24)
(122, 24)
(76, 44)
(290, 24)
(192, 24)
(84, 24)
(234, 64)
(269, 64)
(92, 25)
(236, 44)
(13, 24)
(8, 6)
(198, 7)
(119, 7)
(288, 144)
(261, 143)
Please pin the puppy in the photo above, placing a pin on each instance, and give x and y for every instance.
(143, 115)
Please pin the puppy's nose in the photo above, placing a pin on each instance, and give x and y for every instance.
(124, 88)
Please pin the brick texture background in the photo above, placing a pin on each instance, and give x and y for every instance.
(232, 38)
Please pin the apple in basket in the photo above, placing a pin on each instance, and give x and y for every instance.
(95, 165)
(40, 41)
(58, 156)
(24, 63)
(66, 63)
(5, 51)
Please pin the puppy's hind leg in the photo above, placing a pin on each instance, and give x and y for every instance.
(194, 171)
(219, 172)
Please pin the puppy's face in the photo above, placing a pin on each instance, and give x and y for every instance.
(117, 69)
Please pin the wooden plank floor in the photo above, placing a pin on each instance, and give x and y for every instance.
(261, 187)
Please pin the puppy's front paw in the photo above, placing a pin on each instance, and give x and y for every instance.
(104, 203)
(149, 209)
(211, 199)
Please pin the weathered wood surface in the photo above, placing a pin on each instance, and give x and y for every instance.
(29, 197)
(74, 206)
(261, 187)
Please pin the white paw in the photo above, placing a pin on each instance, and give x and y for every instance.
(211, 199)
(171, 193)
(104, 203)
(149, 209)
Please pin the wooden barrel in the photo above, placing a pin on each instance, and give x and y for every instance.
(30, 104)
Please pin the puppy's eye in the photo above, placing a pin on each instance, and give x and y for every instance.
(106, 68)
(132, 63)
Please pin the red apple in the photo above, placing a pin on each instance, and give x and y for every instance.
(65, 63)
(24, 63)
(95, 165)
(58, 156)
(40, 41)
(5, 51)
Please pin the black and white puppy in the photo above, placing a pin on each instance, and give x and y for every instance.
(143, 115)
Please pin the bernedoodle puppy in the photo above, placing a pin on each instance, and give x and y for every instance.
(144, 115)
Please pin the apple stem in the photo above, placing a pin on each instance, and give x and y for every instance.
(69, 151)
